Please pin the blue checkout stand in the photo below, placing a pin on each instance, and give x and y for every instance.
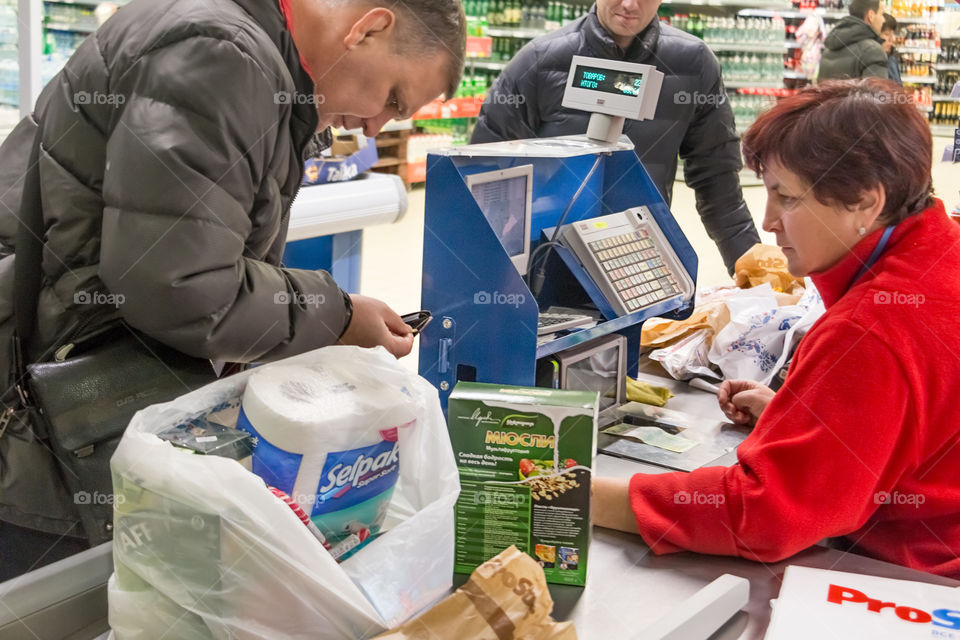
(485, 316)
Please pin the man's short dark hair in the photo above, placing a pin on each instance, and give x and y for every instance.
(889, 23)
(859, 8)
(430, 27)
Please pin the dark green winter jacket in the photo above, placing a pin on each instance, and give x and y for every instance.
(852, 50)
(172, 148)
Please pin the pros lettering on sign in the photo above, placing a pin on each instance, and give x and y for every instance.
(946, 618)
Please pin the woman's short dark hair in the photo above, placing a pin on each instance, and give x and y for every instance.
(845, 136)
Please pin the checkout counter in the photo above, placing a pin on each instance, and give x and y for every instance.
(628, 587)
(474, 283)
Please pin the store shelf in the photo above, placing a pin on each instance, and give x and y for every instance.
(924, 21)
(752, 5)
(795, 75)
(87, 3)
(792, 45)
(944, 97)
(465, 107)
(831, 14)
(925, 108)
(76, 28)
(493, 65)
(514, 32)
(918, 79)
(942, 130)
(921, 50)
(746, 84)
(748, 48)
(953, 66)
(397, 125)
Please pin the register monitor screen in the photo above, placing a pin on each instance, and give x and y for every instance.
(505, 197)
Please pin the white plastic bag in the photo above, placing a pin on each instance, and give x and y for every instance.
(688, 357)
(203, 550)
(757, 341)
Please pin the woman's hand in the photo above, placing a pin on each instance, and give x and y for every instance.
(375, 324)
(742, 401)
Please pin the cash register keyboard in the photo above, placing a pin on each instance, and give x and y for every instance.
(628, 257)
(636, 269)
(553, 322)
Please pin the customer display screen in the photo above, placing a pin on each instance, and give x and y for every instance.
(597, 373)
(622, 83)
(504, 205)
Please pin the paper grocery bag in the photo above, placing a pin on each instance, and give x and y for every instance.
(505, 597)
(765, 263)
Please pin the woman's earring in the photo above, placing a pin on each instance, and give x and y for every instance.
(862, 231)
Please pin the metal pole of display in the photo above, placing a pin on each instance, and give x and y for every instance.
(29, 37)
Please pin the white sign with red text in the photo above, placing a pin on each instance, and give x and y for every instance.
(821, 604)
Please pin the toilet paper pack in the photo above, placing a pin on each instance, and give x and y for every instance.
(327, 440)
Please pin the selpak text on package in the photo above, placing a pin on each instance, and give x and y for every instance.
(525, 457)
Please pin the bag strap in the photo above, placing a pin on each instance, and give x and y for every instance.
(27, 267)
(28, 279)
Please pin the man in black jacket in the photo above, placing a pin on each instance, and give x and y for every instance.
(693, 118)
(854, 49)
(172, 145)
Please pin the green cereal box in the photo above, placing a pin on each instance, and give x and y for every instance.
(525, 457)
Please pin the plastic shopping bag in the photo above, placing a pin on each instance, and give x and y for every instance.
(687, 358)
(202, 549)
(761, 335)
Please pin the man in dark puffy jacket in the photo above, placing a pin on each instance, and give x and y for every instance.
(172, 147)
(889, 34)
(854, 49)
(693, 118)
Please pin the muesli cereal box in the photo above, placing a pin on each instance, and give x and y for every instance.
(525, 457)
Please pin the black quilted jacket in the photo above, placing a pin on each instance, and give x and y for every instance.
(693, 118)
(171, 152)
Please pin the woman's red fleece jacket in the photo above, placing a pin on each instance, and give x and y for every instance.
(863, 439)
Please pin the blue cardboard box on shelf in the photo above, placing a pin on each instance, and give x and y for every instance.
(349, 156)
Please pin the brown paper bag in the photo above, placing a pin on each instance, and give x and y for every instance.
(658, 332)
(505, 597)
(766, 263)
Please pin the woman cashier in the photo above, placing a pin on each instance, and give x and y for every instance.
(863, 439)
